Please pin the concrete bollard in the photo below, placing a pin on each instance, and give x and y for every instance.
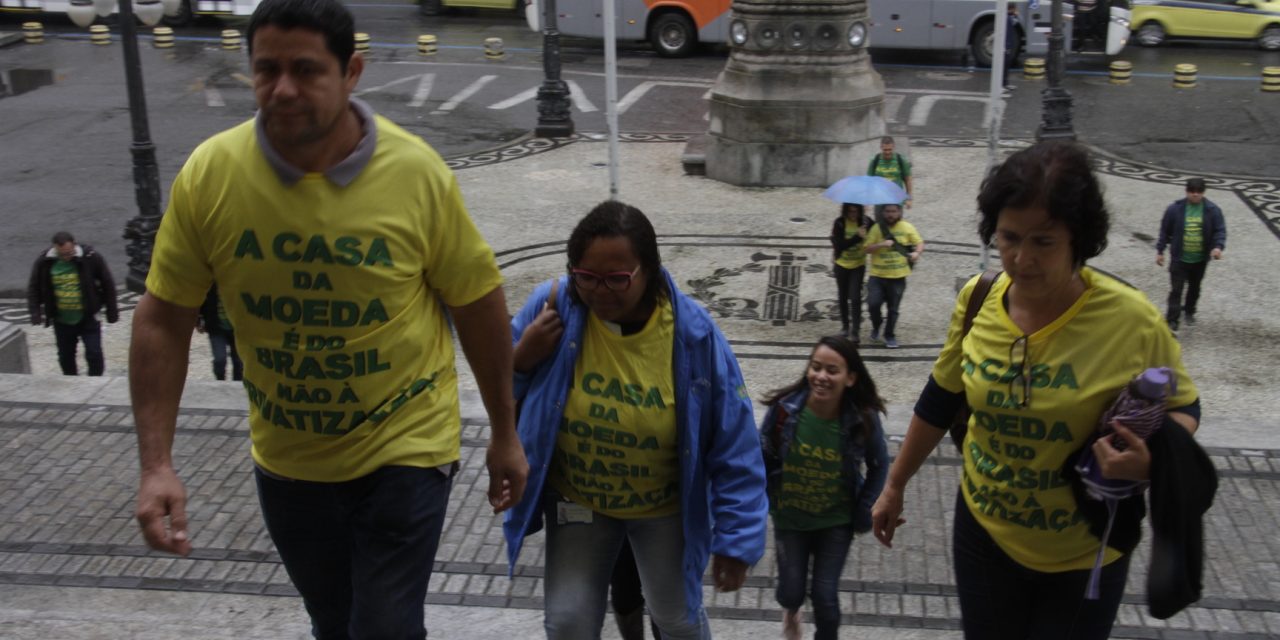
(362, 42)
(1271, 79)
(99, 34)
(162, 37)
(427, 45)
(493, 49)
(1033, 69)
(1121, 71)
(33, 32)
(1184, 76)
(230, 40)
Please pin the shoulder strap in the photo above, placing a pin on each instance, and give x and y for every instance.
(901, 170)
(978, 296)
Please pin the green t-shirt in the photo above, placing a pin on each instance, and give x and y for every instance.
(66, 292)
(814, 493)
(897, 169)
(1193, 234)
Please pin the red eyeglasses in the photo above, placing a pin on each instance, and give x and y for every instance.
(613, 281)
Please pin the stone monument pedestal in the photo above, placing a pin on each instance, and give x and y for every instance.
(798, 103)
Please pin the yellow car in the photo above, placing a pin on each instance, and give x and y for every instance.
(1155, 20)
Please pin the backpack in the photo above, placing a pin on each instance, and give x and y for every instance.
(897, 157)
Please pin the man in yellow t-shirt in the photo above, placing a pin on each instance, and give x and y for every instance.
(894, 246)
(339, 242)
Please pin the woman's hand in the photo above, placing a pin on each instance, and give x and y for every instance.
(886, 515)
(538, 340)
(729, 573)
(1134, 463)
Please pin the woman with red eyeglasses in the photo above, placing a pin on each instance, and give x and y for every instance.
(638, 430)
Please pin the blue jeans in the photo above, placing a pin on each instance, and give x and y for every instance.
(1003, 600)
(88, 330)
(219, 344)
(360, 552)
(885, 291)
(580, 560)
(827, 548)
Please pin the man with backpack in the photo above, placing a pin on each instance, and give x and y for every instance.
(892, 166)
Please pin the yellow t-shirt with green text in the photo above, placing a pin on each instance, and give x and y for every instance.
(854, 256)
(336, 295)
(1078, 365)
(888, 262)
(616, 450)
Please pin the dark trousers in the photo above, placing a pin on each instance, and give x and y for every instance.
(220, 343)
(88, 330)
(1003, 600)
(1187, 274)
(827, 549)
(886, 291)
(359, 552)
(849, 290)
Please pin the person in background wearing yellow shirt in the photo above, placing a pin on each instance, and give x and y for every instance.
(894, 246)
(338, 242)
(638, 428)
(849, 265)
(1051, 347)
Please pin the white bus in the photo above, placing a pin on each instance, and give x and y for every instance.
(676, 27)
(187, 11)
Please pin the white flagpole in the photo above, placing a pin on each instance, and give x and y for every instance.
(611, 93)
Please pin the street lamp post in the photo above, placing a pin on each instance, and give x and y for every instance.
(554, 119)
(1054, 99)
(140, 231)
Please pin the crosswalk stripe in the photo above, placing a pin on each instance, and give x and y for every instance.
(387, 85)
(523, 96)
(579, 98)
(423, 91)
(467, 92)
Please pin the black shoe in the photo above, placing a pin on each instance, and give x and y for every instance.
(1191, 320)
(1173, 325)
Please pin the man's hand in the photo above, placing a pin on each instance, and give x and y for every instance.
(728, 573)
(886, 515)
(162, 511)
(1134, 463)
(508, 471)
(1159, 259)
(539, 340)
(1216, 254)
(907, 203)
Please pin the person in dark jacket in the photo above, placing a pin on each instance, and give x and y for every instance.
(818, 435)
(213, 322)
(1194, 231)
(70, 284)
(849, 265)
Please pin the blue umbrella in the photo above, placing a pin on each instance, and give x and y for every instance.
(866, 190)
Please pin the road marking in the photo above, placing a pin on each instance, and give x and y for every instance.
(639, 90)
(213, 97)
(579, 98)
(389, 84)
(924, 104)
(523, 96)
(467, 92)
(245, 80)
(423, 91)
(892, 104)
